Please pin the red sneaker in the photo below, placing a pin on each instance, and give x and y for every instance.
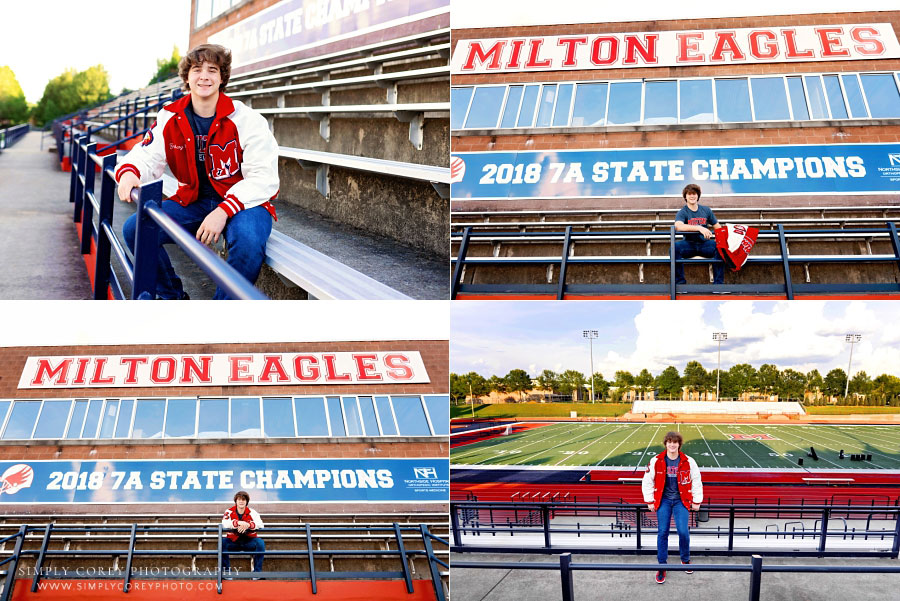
(660, 577)
(685, 563)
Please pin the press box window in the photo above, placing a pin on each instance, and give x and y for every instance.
(485, 109)
(459, 104)
(733, 101)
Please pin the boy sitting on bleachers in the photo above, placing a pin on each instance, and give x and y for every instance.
(241, 523)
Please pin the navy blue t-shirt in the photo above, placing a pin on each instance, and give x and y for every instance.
(671, 490)
(702, 216)
(200, 126)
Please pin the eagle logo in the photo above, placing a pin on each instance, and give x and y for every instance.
(16, 478)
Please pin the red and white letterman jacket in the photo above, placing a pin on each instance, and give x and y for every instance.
(242, 155)
(230, 522)
(734, 242)
(690, 488)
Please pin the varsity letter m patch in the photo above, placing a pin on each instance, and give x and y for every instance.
(425, 472)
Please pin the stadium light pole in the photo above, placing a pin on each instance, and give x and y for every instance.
(719, 337)
(852, 339)
(590, 335)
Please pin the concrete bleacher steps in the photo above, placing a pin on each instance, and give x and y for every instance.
(878, 264)
(372, 535)
(364, 177)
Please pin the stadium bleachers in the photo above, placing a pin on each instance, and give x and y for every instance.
(361, 546)
(364, 183)
(839, 248)
(718, 408)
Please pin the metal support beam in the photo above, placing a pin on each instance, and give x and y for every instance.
(322, 172)
(416, 122)
(442, 189)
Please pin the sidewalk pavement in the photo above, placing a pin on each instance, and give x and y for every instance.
(38, 244)
(595, 585)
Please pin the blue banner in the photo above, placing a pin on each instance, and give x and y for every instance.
(294, 25)
(720, 171)
(216, 480)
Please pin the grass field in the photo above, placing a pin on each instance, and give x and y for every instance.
(712, 445)
(541, 410)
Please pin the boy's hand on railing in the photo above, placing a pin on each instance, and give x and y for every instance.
(211, 228)
(127, 182)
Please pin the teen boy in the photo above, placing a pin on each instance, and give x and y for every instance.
(225, 160)
(694, 220)
(670, 485)
(241, 523)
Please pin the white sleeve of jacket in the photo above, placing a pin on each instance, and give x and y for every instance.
(648, 486)
(259, 166)
(696, 484)
(147, 162)
(228, 521)
(257, 521)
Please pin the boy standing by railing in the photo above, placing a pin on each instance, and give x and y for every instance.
(225, 160)
(671, 484)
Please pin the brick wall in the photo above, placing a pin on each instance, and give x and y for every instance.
(435, 355)
(691, 135)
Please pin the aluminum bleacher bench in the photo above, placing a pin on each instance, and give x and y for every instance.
(439, 177)
(318, 274)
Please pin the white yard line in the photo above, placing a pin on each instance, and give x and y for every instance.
(808, 440)
(533, 453)
(640, 462)
(739, 448)
(873, 452)
(794, 465)
(595, 441)
(541, 434)
(620, 444)
(895, 440)
(707, 445)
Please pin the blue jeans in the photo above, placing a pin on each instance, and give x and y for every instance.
(667, 507)
(256, 544)
(246, 234)
(686, 248)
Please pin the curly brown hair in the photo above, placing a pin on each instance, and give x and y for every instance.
(241, 494)
(213, 53)
(690, 188)
(674, 436)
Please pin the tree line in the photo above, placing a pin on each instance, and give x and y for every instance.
(742, 378)
(68, 92)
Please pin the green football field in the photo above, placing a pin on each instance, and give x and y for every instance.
(712, 445)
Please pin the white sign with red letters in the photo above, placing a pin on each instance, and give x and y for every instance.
(676, 48)
(238, 369)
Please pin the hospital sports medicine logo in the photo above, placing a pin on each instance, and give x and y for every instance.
(425, 472)
(16, 478)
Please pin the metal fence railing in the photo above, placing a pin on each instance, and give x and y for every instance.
(564, 260)
(11, 135)
(755, 569)
(142, 272)
(476, 526)
(48, 553)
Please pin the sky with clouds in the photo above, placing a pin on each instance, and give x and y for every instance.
(492, 337)
(63, 323)
(42, 38)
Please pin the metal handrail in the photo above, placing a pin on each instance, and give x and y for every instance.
(567, 237)
(547, 510)
(756, 568)
(142, 272)
(44, 553)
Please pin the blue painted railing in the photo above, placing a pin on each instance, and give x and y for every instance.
(561, 288)
(11, 135)
(140, 273)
